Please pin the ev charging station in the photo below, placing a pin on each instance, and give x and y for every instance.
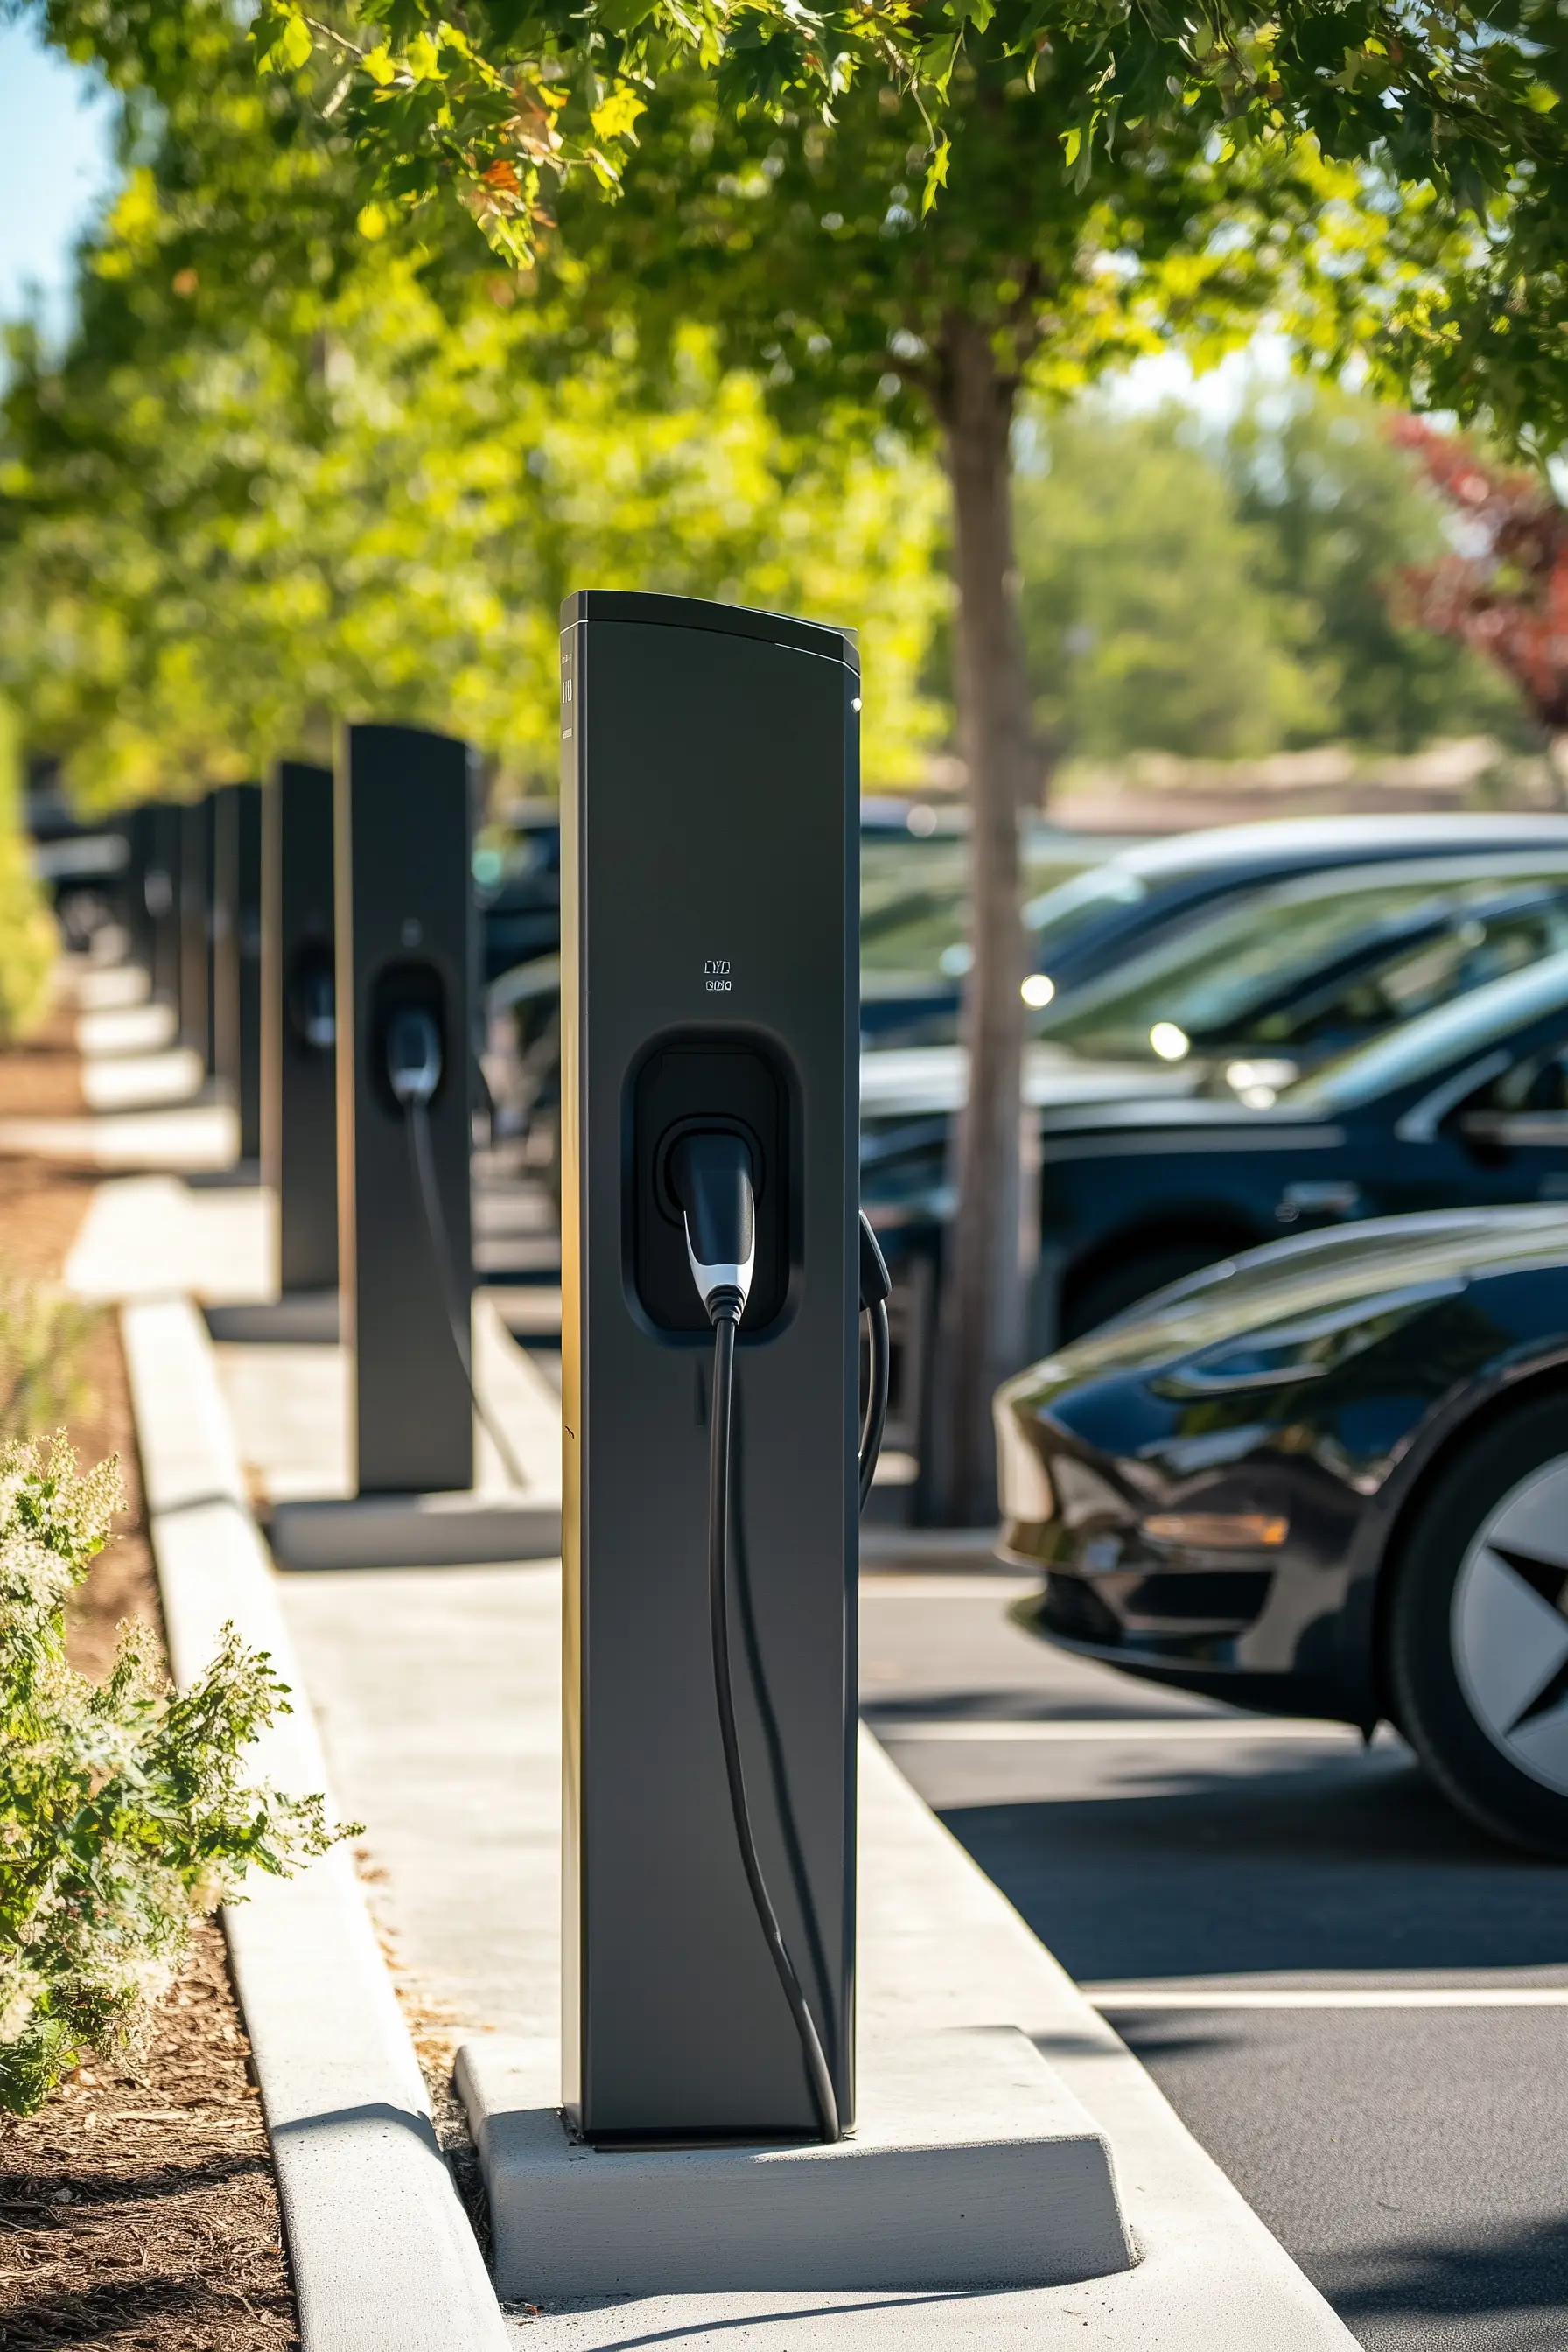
(161, 898)
(196, 928)
(298, 1033)
(237, 954)
(404, 943)
(712, 1274)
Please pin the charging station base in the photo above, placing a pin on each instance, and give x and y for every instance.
(973, 2166)
(436, 1530)
(287, 1379)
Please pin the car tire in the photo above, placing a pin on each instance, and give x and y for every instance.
(1477, 1629)
(1120, 1286)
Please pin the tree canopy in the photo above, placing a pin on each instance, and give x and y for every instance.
(273, 482)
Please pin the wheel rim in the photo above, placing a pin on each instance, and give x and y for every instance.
(1510, 1626)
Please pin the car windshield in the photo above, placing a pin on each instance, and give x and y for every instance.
(914, 901)
(1325, 961)
(1435, 1042)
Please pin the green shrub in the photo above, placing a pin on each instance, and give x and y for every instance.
(41, 1335)
(125, 1810)
(29, 943)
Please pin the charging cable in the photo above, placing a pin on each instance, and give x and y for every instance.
(875, 1287)
(711, 1177)
(414, 1064)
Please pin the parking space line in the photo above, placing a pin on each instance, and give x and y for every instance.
(1124, 2000)
(1058, 1729)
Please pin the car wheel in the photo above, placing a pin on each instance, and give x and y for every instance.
(1477, 1629)
(1105, 1294)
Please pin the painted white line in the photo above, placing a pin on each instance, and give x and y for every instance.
(979, 1729)
(1122, 2000)
(879, 1584)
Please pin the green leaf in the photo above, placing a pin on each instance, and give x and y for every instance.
(936, 173)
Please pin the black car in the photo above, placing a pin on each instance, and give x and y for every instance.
(1329, 1478)
(1244, 997)
(914, 954)
(1461, 1107)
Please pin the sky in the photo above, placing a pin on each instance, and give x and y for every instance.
(55, 166)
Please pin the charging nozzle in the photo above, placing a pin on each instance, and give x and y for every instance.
(413, 1056)
(713, 1177)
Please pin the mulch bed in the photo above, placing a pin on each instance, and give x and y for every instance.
(138, 2208)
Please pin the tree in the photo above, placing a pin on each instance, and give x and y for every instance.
(505, 102)
(1146, 625)
(1220, 592)
(1336, 509)
(1505, 589)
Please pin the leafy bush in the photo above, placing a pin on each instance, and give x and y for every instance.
(41, 1335)
(125, 1810)
(29, 943)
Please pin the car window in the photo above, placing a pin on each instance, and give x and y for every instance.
(1537, 1083)
(914, 901)
(1312, 965)
(1435, 1042)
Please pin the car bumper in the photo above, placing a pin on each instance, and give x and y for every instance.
(1258, 1622)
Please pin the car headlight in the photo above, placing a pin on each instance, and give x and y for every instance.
(1304, 1348)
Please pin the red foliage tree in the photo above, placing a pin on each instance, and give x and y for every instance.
(1504, 588)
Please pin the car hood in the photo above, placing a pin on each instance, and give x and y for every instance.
(908, 1081)
(1368, 1262)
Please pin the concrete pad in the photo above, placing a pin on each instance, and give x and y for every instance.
(197, 1136)
(413, 1532)
(970, 2167)
(131, 1026)
(379, 2250)
(290, 1402)
(308, 1317)
(146, 1236)
(143, 1081)
(103, 988)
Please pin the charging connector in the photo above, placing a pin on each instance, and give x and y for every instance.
(713, 1177)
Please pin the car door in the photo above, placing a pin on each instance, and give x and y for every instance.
(1513, 1130)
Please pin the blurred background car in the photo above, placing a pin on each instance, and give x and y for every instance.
(1329, 1478)
(914, 950)
(1244, 997)
(1459, 1106)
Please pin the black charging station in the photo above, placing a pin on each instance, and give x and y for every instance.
(298, 1027)
(195, 929)
(403, 934)
(710, 791)
(237, 955)
(135, 827)
(161, 898)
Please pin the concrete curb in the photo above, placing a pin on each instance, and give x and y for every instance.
(383, 2256)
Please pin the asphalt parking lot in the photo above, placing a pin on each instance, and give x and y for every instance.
(1358, 2005)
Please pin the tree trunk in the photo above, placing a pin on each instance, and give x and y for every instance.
(982, 1320)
